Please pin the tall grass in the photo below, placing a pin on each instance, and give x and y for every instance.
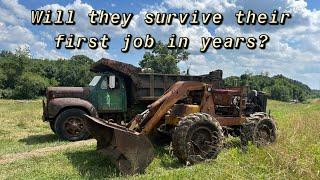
(295, 155)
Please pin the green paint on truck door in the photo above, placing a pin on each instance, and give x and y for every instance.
(111, 99)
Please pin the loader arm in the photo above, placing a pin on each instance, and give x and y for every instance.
(160, 107)
(128, 147)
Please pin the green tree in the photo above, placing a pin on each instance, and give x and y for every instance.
(30, 86)
(24, 77)
(232, 81)
(74, 72)
(279, 87)
(3, 78)
(163, 60)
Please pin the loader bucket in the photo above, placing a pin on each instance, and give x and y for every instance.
(130, 151)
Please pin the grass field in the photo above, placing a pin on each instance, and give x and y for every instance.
(295, 155)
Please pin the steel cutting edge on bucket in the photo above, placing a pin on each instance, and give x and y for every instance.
(130, 151)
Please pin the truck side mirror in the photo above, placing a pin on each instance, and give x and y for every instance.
(112, 82)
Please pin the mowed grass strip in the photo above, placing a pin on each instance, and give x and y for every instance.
(22, 128)
(296, 155)
(8, 158)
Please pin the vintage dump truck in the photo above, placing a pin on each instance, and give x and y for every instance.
(118, 92)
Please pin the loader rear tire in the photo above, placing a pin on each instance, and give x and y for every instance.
(260, 129)
(70, 125)
(264, 132)
(197, 137)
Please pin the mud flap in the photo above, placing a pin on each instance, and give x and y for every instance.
(130, 151)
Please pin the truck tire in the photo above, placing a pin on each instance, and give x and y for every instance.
(197, 137)
(70, 125)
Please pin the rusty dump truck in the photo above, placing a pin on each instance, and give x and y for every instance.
(118, 92)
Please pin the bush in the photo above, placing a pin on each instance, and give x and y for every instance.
(3, 78)
(6, 93)
(29, 86)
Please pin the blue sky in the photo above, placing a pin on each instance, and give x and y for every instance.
(293, 49)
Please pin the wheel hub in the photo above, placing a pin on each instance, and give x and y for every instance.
(73, 126)
(264, 135)
(202, 144)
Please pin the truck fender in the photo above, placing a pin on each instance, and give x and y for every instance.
(55, 106)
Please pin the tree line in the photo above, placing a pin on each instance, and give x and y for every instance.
(24, 77)
(277, 87)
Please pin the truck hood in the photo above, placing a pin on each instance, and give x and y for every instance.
(67, 92)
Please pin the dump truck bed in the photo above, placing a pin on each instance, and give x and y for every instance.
(150, 86)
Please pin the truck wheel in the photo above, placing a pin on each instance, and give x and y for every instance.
(264, 132)
(70, 125)
(52, 126)
(197, 137)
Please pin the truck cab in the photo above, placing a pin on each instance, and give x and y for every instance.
(108, 93)
(65, 107)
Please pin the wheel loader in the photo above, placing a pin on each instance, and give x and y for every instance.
(196, 118)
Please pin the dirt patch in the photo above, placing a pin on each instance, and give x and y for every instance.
(8, 158)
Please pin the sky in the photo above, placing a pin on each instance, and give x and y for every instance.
(293, 49)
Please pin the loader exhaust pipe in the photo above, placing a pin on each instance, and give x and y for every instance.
(131, 152)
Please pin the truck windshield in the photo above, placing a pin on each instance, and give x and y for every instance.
(94, 81)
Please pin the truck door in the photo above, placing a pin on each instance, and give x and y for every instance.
(111, 97)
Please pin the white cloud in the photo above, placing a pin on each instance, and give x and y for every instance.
(82, 25)
(293, 49)
(13, 33)
(17, 9)
(190, 5)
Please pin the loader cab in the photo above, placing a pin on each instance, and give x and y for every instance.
(228, 103)
(108, 93)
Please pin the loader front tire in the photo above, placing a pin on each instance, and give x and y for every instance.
(197, 137)
(70, 125)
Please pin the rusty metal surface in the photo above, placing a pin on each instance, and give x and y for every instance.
(160, 107)
(227, 91)
(57, 104)
(230, 121)
(74, 92)
(130, 151)
(74, 125)
(150, 86)
(180, 90)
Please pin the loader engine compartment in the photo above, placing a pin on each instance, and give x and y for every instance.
(225, 104)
